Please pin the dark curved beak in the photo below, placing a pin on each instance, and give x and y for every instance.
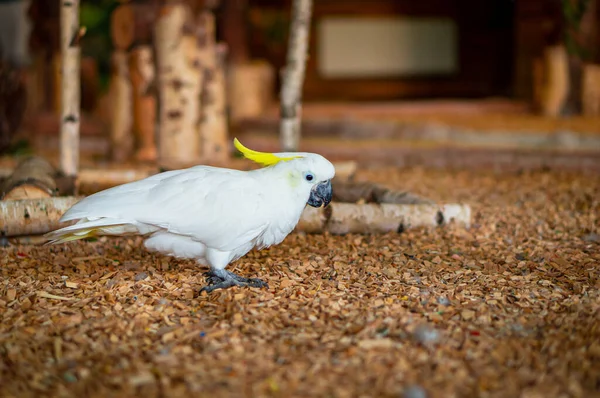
(320, 194)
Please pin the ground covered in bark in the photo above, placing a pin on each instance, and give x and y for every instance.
(510, 308)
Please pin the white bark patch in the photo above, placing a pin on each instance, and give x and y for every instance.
(70, 88)
(293, 75)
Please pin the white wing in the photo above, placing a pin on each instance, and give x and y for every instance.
(221, 208)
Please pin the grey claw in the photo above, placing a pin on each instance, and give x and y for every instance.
(222, 279)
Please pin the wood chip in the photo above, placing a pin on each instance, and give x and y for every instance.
(507, 308)
(53, 296)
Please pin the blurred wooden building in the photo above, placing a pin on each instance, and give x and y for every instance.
(393, 49)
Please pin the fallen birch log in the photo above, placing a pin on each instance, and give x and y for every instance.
(347, 218)
(40, 216)
(33, 216)
(32, 178)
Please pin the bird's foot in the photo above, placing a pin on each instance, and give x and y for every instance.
(222, 279)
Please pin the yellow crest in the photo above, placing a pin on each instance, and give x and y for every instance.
(264, 158)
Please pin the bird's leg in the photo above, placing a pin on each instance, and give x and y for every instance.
(223, 279)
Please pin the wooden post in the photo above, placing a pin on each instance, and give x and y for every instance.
(293, 75)
(70, 34)
(179, 78)
(213, 123)
(121, 139)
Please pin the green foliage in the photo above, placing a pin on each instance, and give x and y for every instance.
(573, 12)
(95, 16)
(20, 148)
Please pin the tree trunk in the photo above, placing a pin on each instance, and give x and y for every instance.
(293, 75)
(121, 97)
(70, 103)
(179, 86)
(143, 79)
(213, 124)
(32, 178)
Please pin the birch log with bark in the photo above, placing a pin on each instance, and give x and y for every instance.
(142, 72)
(33, 216)
(121, 136)
(213, 124)
(71, 34)
(293, 75)
(178, 86)
(346, 218)
(32, 178)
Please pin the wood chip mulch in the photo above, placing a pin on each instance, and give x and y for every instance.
(510, 308)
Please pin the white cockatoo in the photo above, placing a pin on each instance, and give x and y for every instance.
(210, 214)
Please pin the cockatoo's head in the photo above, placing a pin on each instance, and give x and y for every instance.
(307, 173)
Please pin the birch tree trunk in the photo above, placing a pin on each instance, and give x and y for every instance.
(179, 86)
(70, 33)
(143, 75)
(121, 96)
(293, 75)
(213, 123)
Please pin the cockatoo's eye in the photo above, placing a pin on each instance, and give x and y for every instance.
(309, 177)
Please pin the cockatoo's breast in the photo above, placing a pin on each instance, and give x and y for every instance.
(279, 228)
(284, 211)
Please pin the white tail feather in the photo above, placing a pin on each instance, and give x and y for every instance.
(102, 226)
